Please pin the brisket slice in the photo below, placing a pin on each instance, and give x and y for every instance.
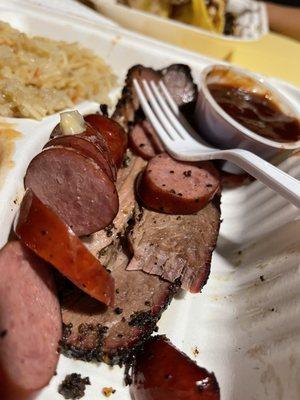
(94, 332)
(179, 81)
(177, 248)
(128, 107)
(177, 78)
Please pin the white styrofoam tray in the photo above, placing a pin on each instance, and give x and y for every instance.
(252, 20)
(245, 324)
(70, 7)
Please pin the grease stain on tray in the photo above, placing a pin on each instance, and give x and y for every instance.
(270, 379)
(114, 42)
(8, 137)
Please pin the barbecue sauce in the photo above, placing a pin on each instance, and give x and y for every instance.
(256, 112)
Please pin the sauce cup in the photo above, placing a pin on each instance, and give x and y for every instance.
(220, 129)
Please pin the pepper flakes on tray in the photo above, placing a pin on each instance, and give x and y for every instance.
(73, 386)
(176, 187)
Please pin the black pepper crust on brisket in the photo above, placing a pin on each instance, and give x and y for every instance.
(94, 332)
(128, 107)
(177, 78)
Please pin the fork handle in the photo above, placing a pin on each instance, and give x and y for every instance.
(276, 179)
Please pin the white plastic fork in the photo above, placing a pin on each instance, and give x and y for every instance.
(183, 143)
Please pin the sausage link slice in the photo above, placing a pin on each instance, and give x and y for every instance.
(49, 237)
(75, 188)
(144, 141)
(86, 148)
(176, 187)
(30, 322)
(92, 135)
(95, 137)
(113, 133)
(161, 372)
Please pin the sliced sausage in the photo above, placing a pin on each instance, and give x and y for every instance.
(74, 187)
(113, 133)
(49, 237)
(97, 139)
(159, 148)
(144, 141)
(161, 372)
(30, 322)
(86, 148)
(56, 131)
(176, 187)
(140, 143)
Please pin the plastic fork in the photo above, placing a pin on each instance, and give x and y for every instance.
(183, 143)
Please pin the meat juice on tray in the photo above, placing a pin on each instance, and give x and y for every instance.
(86, 204)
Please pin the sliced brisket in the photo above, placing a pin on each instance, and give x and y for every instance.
(128, 107)
(179, 81)
(93, 331)
(177, 78)
(176, 247)
(96, 332)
